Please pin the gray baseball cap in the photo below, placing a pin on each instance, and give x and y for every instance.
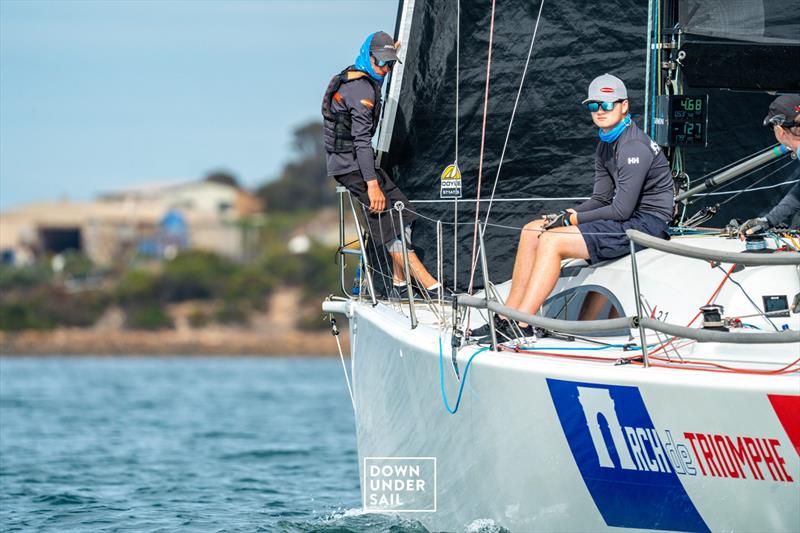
(382, 47)
(606, 88)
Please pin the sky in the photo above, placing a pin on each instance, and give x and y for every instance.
(103, 95)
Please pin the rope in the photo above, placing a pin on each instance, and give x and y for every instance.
(749, 299)
(480, 157)
(513, 114)
(749, 189)
(335, 332)
(453, 410)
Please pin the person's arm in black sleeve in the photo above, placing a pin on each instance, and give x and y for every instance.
(633, 162)
(360, 99)
(603, 189)
(786, 208)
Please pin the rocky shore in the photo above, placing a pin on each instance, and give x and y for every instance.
(207, 341)
(217, 341)
(274, 333)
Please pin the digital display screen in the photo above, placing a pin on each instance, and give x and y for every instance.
(688, 120)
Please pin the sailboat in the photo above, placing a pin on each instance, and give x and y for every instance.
(672, 406)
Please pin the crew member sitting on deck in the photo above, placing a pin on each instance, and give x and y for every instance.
(351, 110)
(784, 119)
(632, 190)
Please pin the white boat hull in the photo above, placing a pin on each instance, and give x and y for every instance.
(523, 450)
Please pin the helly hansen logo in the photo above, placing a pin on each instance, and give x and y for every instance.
(633, 160)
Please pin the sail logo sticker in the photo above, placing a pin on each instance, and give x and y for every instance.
(630, 472)
(450, 182)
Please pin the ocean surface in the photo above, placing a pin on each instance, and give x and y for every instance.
(179, 444)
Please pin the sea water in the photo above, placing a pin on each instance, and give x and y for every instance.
(179, 444)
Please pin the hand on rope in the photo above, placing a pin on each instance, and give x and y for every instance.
(558, 220)
(377, 200)
(754, 225)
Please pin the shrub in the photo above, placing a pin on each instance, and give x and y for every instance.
(321, 273)
(25, 277)
(17, 316)
(233, 313)
(252, 284)
(152, 317)
(139, 286)
(77, 264)
(79, 310)
(198, 319)
(195, 275)
(313, 320)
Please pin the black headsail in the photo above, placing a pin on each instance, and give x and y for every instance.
(551, 147)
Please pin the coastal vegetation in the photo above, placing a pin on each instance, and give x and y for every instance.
(68, 290)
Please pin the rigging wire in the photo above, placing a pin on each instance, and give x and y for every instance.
(513, 114)
(757, 182)
(749, 189)
(755, 305)
(455, 200)
(733, 164)
(483, 144)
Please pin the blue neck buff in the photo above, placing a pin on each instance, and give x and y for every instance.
(612, 135)
(363, 63)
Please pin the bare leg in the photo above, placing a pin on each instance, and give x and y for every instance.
(554, 245)
(523, 264)
(593, 303)
(418, 270)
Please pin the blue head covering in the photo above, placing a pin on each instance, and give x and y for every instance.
(362, 61)
(612, 135)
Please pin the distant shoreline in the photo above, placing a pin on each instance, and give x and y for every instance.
(209, 341)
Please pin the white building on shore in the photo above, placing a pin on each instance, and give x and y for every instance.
(119, 224)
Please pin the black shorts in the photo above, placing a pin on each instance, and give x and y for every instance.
(382, 227)
(606, 239)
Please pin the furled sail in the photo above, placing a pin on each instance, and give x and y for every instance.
(551, 145)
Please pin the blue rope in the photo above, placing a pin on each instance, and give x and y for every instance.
(453, 410)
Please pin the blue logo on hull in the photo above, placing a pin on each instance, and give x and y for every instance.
(621, 458)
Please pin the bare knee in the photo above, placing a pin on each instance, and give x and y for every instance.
(553, 242)
(534, 225)
(532, 230)
(548, 240)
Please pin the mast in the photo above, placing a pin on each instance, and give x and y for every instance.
(405, 15)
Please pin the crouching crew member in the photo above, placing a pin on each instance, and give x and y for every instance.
(351, 110)
(784, 119)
